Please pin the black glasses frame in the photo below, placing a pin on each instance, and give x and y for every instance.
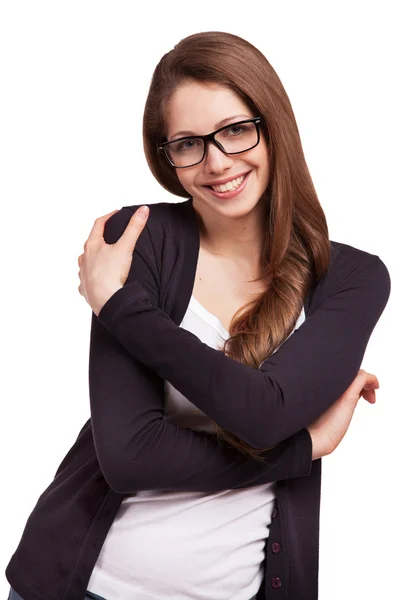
(210, 137)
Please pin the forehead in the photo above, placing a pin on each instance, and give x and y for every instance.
(198, 107)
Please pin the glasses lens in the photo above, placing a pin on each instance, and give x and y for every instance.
(233, 139)
(238, 138)
(186, 152)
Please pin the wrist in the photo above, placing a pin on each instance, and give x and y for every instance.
(317, 451)
(102, 298)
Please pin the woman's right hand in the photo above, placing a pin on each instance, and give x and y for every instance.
(330, 428)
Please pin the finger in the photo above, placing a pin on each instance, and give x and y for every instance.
(134, 228)
(369, 396)
(371, 379)
(371, 386)
(357, 387)
(365, 379)
(97, 231)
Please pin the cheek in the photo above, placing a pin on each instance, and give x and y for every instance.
(183, 178)
(186, 179)
(263, 162)
(259, 157)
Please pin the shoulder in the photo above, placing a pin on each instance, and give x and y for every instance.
(157, 221)
(353, 271)
(347, 261)
(161, 239)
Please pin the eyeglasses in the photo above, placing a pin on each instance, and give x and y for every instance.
(231, 139)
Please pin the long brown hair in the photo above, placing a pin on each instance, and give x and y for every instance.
(296, 250)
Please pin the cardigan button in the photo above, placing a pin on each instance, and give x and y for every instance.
(276, 547)
(274, 513)
(276, 582)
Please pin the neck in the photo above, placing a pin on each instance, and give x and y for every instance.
(238, 239)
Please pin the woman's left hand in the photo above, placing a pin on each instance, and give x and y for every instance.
(330, 428)
(104, 268)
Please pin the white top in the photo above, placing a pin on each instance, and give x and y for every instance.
(187, 545)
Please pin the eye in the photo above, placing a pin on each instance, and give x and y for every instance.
(188, 144)
(234, 130)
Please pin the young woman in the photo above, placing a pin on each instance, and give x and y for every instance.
(227, 337)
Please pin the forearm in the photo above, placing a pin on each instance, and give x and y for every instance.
(292, 388)
(139, 449)
(173, 458)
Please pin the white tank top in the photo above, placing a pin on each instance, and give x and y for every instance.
(187, 545)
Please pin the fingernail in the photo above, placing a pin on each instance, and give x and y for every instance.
(143, 212)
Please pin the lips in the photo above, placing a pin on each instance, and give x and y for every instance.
(223, 181)
(230, 193)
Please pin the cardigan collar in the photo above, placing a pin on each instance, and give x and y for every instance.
(189, 241)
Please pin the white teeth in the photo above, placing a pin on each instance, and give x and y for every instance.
(230, 185)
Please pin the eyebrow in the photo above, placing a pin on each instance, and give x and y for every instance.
(217, 126)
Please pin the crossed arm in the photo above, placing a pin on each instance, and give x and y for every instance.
(135, 346)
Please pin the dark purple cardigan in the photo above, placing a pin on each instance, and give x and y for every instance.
(127, 445)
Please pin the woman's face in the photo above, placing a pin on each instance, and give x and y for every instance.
(197, 109)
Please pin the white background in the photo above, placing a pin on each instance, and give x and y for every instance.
(74, 79)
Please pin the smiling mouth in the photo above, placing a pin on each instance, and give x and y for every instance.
(230, 185)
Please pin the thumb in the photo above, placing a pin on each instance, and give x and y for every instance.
(134, 228)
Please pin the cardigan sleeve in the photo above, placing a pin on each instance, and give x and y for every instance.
(137, 448)
(294, 386)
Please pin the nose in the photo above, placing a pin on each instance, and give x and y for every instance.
(216, 161)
